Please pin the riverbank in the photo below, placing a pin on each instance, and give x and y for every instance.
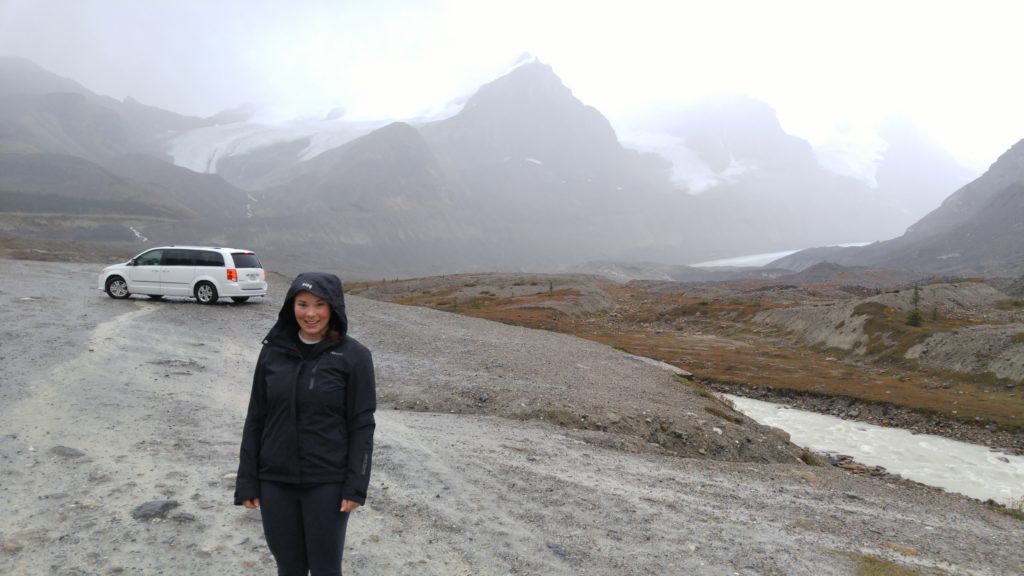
(879, 414)
(971, 469)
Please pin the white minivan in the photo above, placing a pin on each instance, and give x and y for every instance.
(202, 272)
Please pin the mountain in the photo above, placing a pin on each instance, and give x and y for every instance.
(380, 202)
(65, 123)
(979, 230)
(391, 168)
(207, 196)
(55, 184)
(24, 77)
(759, 189)
(43, 112)
(737, 135)
(101, 162)
(527, 114)
(524, 176)
(547, 175)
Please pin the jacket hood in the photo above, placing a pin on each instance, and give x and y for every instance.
(321, 284)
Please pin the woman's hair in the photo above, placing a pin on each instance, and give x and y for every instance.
(333, 334)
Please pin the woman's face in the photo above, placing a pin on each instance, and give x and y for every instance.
(313, 315)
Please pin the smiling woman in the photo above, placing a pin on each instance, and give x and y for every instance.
(308, 436)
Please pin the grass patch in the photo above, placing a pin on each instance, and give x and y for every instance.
(1015, 509)
(699, 388)
(905, 550)
(810, 458)
(1010, 304)
(892, 332)
(871, 566)
(888, 332)
(734, 418)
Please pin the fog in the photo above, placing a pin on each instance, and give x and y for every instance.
(760, 127)
(833, 73)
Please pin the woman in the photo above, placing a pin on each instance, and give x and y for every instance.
(308, 437)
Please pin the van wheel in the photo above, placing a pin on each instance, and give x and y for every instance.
(206, 293)
(239, 299)
(117, 288)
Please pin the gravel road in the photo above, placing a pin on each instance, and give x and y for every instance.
(500, 450)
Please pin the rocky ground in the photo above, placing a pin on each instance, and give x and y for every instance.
(500, 450)
(832, 347)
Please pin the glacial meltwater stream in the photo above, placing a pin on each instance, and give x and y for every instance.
(969, 469)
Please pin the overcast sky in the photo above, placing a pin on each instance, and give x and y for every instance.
(832, 70)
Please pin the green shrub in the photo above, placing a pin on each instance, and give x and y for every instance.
(915, 318)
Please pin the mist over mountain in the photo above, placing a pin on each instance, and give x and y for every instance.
(523, 176)
(24, 77)
(42, 112)
(979, 230)
(915, 175)
(752, 180)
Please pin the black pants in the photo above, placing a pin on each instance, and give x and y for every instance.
(304, 527)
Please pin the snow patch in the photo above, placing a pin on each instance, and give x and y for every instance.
(137, 235)
(762, 259)
(201, 149)
(688, 169)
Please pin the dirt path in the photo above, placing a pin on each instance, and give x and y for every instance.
(107, 405)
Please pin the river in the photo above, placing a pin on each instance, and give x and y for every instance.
(970, 469)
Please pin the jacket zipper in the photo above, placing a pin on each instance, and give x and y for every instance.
(295, 422)
(312, 375)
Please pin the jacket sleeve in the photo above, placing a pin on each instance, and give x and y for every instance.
(247, 483)
(360, 406)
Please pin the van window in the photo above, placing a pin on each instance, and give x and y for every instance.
(207, 258)
(178, 257)
(245, 260)
(151, 258)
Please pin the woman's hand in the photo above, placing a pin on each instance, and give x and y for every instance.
(252, 503)
(349, 505)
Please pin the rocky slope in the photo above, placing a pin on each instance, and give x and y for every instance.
(992, 346)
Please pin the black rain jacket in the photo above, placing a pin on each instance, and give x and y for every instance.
(310, 420)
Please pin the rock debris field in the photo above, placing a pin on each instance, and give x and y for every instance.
(499, 450)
